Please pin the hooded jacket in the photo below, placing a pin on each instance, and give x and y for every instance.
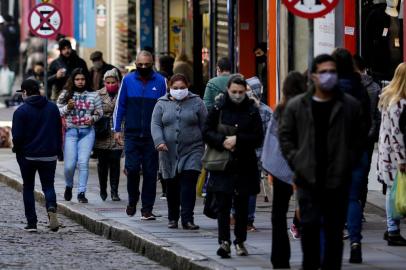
(37, 128)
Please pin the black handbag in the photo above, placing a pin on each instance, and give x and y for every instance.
(211, 207)
(102, 128)
(217, 160)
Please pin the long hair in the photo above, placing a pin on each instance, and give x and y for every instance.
(293, 85)
(396, 90)
(344, 62)
(70, 84)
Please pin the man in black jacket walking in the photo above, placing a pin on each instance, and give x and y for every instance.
(61, 68)
(99, 68)
(319, 136)
(37, 139)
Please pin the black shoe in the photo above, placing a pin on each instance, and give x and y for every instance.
(82, 198)
(356, 253)
(31, 228)
(103, 195)
(385, 236)
(53, 219)
(172, 224)
(148, 216)
(224, 250)
(68, 193)
(115, 197)
(241, 249)
(131, 210)
(395, 239)
(190, 226)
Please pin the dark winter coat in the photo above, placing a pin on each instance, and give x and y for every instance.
(37, 128)
(352, 85)
(74, 61)
(297, 139)
(374, 91)
(241, 174)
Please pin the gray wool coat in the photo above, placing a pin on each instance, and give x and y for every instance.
(179, 124)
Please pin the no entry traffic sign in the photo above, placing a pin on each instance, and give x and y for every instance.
(310, 9)
(45, 20)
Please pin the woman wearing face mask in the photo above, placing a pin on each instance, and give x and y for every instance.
(235, 114)
(81, 107)
(107, 149)
(176, 127)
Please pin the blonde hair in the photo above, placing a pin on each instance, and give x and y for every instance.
(396, 90)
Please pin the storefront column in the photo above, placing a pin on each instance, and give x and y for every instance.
(247, 37)
(272, 53)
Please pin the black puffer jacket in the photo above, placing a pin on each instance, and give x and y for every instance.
(241, 174)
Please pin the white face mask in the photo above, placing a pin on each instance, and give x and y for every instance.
(179, 94)
(237, 98)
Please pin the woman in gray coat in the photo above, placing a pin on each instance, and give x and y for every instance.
(176, 127)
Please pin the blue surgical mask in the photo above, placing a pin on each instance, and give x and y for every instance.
(327, 81)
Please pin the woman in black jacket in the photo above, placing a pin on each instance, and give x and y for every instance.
(240, 178)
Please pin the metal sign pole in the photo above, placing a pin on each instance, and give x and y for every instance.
(46, 68)
(311, 43)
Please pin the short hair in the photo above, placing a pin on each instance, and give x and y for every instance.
(31, 86)
(63, 43)
(237, 79)
(178, 77)
(344, 61)
(224, 64)
(322, 58)
(144, 53)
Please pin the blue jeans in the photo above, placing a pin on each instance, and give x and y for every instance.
(78, 147)
(354, 215)
(141, 152)
(392, 224)
(46, 171)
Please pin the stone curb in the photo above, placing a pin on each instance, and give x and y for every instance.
(165, 253)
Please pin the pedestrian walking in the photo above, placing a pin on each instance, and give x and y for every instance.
(137, 97)
(99, 68)
(350, 82)
(81, 107)
(391, 147)
(166, 66)
(108, 151)
(374, 91)
(254, 92)
(218, 84)
(282, 176)
(184, 66)
(234, 125)
(37, 143)
(176, 127)
(319, 137)
(62, 67)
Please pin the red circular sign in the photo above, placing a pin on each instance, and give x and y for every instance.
(310, 9)
(45, 20)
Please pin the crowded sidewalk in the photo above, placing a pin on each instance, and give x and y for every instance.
(200, 246)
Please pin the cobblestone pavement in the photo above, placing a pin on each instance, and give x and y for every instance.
(72, 247)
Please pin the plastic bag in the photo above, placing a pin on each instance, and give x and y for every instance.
(6, 81)
(400, 201)
(392, 201)
(200, 183)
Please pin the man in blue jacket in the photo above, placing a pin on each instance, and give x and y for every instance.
(37, 139)
(136, 100)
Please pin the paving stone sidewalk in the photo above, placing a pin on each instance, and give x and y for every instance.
(180, 249)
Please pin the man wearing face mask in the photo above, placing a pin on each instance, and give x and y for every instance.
(99, 68)
(136, 100)
(260, 54)
(320, 137)
(61, 68)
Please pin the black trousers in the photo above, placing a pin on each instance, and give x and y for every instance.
(181, 196)
(225, 202)
(322, 209)
(280, 254)
(109, 162)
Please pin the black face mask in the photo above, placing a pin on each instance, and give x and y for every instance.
(39, 74)
(145, 72)
(261, 59)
